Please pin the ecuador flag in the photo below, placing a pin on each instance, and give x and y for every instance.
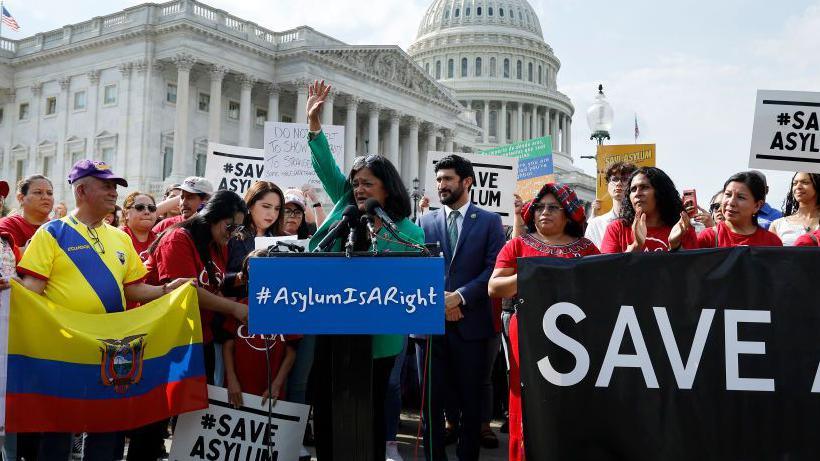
(70, 371)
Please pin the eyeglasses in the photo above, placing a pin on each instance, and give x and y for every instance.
(95, 241)
(550, 209)
(142, 206)
(614, 179)
(293, 213)
(714, 207)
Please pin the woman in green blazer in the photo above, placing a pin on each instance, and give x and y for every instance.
(371, 176)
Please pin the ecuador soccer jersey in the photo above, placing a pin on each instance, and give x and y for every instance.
(85, 268)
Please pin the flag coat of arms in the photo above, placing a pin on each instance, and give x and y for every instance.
(71, 371)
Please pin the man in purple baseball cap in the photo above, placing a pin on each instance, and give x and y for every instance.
(96, 169)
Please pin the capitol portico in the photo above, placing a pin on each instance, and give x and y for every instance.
(111, 88)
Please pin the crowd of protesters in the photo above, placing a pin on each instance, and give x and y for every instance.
(195, 233)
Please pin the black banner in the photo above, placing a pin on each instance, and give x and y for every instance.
(697, 355)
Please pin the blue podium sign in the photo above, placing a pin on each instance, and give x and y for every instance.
(338, 295)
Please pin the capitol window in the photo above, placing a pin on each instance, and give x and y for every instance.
(478, 67)
(501, 12)
(23, 115)
(457, 12)
(110, 95)
(492, 67)
(463, 67)
(540, 80)
(467, 11)
(167, 161)
(450, 68)
(51, 105)
(506, 68)
(478, 11)
(171, 93)
(493, 123)
(518, 68)
(446, 14)
(204, 102)
(79, 100)
(490, 11)
(233, 110)
(2, 115)
(261, 116)
(427, 67)
(529, 71)
(438, 70)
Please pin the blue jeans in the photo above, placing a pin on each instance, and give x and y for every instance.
(392, 404)
(298, 378)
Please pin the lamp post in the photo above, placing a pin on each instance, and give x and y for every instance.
(599, 117)
(416, 196)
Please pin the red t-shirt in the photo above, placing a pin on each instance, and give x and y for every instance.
(20, 230)
(618, 236)
(249, 356)
(528, 246)
(806, 240)
(141, 247)
(166, 223)
(176, 257)
(728, 239)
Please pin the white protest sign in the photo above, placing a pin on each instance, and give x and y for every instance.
(4, 354)
(224, 432)
(496, 180)
(287, 154)
(786, 133)
(233, 168)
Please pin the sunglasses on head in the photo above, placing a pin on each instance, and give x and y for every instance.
(142, 206)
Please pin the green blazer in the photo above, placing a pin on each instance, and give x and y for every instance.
(341, 192)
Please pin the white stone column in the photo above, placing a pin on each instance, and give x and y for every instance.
(273, 102)
(373, 130)
(563, 124)
(350, 131)
(486, 117)
(554, 129)
(301, 101)
(393, 151)
(534, 122)
(245, 109)
(546, 120)
(184, 63)
(501, 139)
(432, 131)
(327, 109)
(92, 105)
(215, 104)
(448, 140)
(63, 108)
(569, 136)
(120, 162)
(519, 123)
(34, 117)
(413, 147)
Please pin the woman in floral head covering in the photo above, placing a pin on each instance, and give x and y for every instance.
(555, 220)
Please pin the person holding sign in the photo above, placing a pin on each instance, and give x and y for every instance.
(652, 217)
(555, 221)
(802, 210)
(371, 177)
(744, 195)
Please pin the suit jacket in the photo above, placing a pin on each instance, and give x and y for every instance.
(469, 270)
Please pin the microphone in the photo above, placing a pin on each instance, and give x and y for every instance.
(371, 230)
(374, 208)
(349, 215)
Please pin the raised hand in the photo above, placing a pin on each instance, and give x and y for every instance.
(679, 230)
(317, 94)
(639, 231)
(518, 203)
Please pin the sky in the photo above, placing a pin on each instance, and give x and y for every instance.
(688, 70)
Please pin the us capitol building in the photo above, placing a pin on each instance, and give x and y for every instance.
(147, 88)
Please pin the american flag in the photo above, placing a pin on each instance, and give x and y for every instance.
(637, 131)
(8, 20)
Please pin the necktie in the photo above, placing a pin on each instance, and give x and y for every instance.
(452, 229)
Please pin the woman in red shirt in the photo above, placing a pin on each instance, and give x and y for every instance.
(652, 217)
(35, 194)
(555, 220)
(197, 248)
(743, 196)
(139, 213)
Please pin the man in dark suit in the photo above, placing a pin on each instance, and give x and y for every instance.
(471, 239)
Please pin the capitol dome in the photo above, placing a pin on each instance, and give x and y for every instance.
(492, 55)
